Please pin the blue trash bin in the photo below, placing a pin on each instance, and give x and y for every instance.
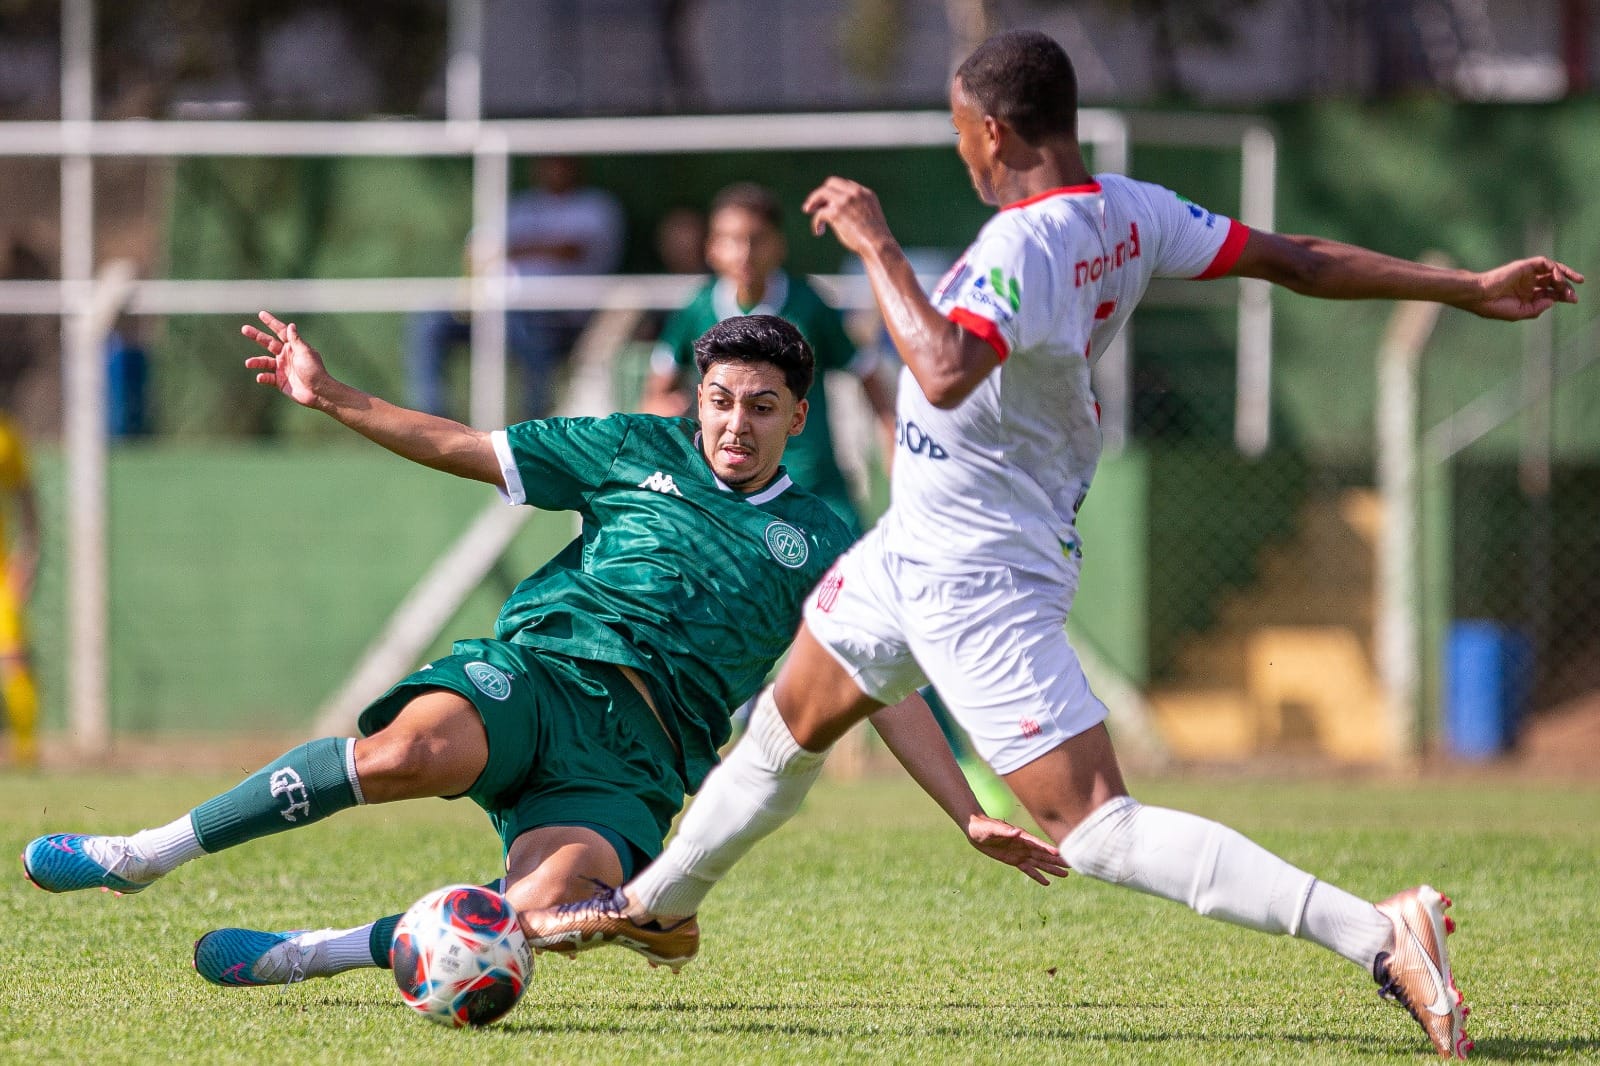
(1488, 670)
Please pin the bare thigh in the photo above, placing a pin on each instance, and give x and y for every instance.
(436, 746)
(818, 700)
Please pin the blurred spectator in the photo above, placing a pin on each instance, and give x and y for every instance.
(19, 561)
(681, 241)
(557, 227)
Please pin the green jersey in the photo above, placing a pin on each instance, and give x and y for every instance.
(692, 584)
(809, 457)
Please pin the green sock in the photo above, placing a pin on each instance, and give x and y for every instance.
(303, 786)
(381, 938)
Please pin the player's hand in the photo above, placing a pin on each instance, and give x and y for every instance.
(292, 366)
(1526, 288)
(1006, 843)
(852, 210)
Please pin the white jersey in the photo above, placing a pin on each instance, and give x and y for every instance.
(1049, 281)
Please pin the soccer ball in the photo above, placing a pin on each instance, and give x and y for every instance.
(459, 956)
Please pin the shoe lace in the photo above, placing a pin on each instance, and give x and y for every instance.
(298, 958)
(607, 901)
(117, 855)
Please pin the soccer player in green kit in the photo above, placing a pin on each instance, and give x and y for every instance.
(604, 696)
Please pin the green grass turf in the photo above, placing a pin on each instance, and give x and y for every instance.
(867, 930)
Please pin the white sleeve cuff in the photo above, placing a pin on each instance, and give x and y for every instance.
(512, 491)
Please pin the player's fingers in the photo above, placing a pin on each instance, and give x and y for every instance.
(1039, 874)
(261, 362)
(266, 340)
(266, 379)
(273, 322)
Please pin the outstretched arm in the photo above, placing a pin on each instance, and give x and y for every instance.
(947, 361)
(1316, 266)
(296, 369)
(910, 732)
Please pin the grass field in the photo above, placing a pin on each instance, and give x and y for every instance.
(867, 930)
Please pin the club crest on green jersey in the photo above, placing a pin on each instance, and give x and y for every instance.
(787, 545)
(489, 680)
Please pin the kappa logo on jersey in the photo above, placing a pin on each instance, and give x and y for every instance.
(1087, 270)
(1197, 211)
(663, 483)
(285, 781)
(489, 680)
(787, 545)
(998, 290)
(910, 436)
(828, 590)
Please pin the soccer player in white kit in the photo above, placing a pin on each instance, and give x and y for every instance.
(967, 579)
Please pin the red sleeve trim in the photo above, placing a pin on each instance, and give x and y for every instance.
(981, 328)
(1228, 254)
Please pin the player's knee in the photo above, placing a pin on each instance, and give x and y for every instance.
(781, 750)
(1100, 844)
(392, 760)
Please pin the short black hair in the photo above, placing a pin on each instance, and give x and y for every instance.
(759, 339)
(759, 200)
(1024, 79)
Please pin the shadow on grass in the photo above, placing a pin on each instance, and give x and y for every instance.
(1512, 1049)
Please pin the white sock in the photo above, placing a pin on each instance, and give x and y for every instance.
(338, 950)
(757, 788)
(1191, 860)
(168, 847)
(1346, 924)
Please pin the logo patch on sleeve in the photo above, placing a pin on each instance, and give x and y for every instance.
(489, 680)
(787, 545)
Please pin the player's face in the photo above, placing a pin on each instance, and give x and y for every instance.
(743, 247)
(974, 142)
(747, 415)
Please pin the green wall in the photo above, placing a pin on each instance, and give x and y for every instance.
(246, 580)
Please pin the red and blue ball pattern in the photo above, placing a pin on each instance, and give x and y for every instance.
(459, 956)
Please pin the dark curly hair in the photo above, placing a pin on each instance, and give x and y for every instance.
(759, 339)
(1024, 79)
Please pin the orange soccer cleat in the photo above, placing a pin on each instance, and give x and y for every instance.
(1417, 973)
(573, 927)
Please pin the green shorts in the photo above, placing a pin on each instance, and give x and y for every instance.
(571, 742)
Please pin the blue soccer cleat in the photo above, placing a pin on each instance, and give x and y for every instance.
(67, 862)
(246, 958)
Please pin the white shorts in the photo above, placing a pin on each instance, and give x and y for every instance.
(992, 642)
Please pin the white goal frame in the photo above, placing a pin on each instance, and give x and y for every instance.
(87, 301)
